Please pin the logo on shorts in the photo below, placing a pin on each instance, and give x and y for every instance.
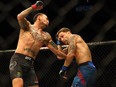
(19, 74)
(13, 64)
(28, 58)
(36, 81)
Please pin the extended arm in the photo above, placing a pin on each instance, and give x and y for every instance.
(53, 47)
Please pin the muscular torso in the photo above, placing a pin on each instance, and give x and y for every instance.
(82, 53)
(31, 41)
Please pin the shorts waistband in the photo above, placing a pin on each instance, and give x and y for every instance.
(25, 56)
(85, 63)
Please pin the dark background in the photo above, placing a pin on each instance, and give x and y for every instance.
(94, 20)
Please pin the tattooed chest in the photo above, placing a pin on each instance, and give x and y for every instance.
(38, 36)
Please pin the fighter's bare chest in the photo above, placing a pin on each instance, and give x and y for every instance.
(38, 36)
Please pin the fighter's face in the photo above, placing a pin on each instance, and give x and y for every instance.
(63, 36)
(44, 21)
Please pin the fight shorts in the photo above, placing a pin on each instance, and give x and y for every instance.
(85, 75)
(21, 66)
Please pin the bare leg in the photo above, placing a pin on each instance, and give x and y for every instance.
(34, 86)
(17, 82)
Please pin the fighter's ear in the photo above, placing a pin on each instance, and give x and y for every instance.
(69, 32)
(38, 18)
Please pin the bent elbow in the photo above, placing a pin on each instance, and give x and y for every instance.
(19, 17)
(60, 58)
(71, 55)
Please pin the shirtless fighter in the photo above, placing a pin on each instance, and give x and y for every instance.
(31, 39)
(78, 49)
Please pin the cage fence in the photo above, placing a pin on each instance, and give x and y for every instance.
(47, 66)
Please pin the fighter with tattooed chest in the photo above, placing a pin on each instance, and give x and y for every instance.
(31, 39)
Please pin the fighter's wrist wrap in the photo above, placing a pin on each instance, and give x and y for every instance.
(64, 68)
(34, 6)
(63, 72)
(38, 3)
(58, 42)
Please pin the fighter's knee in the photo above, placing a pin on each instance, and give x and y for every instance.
(34, 86)
(17, 82)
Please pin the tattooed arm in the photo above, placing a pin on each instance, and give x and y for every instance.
(21, 17)
(71, 52)
(53, 47)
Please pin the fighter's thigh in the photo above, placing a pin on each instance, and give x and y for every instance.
(34, 86)
(87, 72)
(76, 82)
(31, 78)
(17, 82)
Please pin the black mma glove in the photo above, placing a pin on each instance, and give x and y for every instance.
(38, 5)
(63, 72)
(59, 42)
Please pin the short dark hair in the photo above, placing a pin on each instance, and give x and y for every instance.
(64, 29)
(36, 15)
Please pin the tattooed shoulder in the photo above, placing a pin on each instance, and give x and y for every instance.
(72, 47)
(48, 35)
(72, 38)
